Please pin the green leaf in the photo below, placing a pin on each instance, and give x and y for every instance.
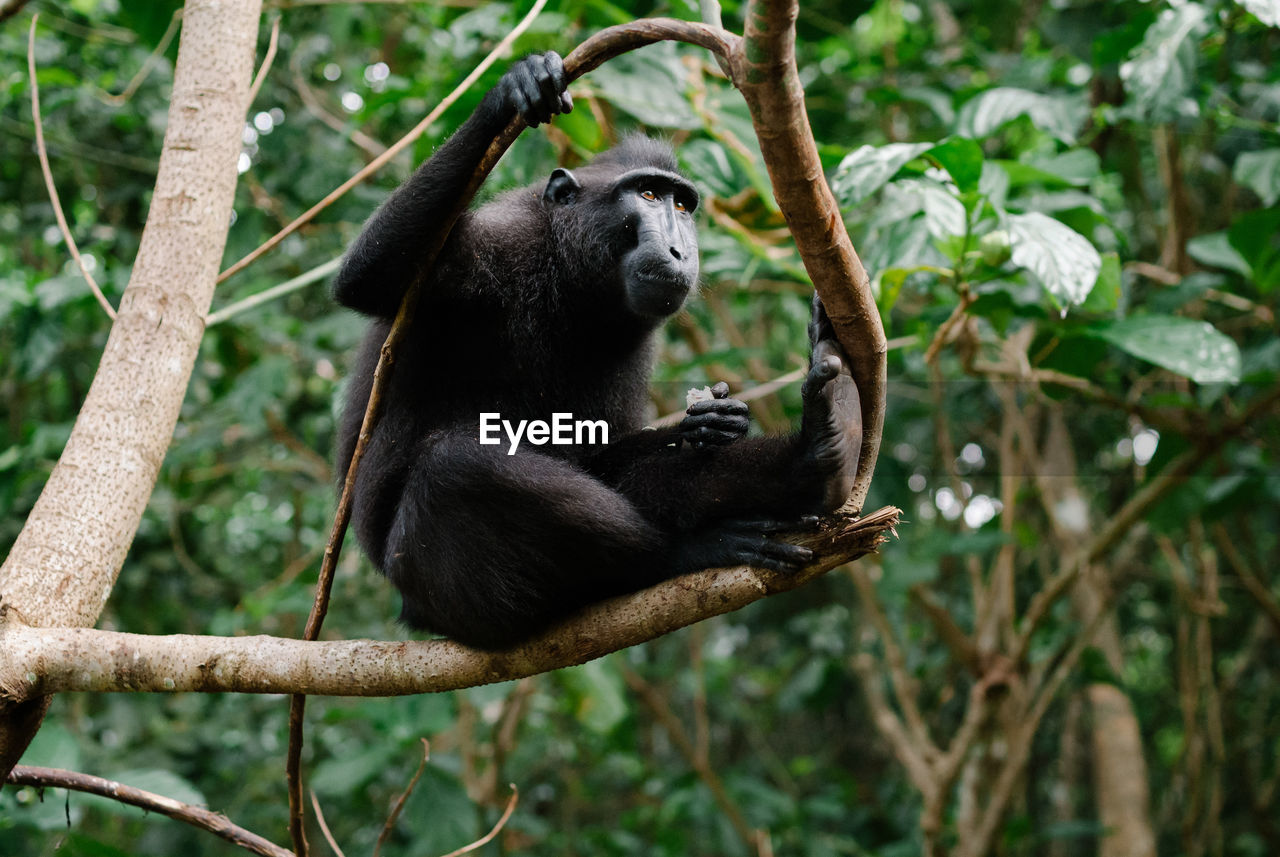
(354, 768)
(1159, 73)
(1256, 236)
(1066, 264)
(1059, 116)
(1075, 167)
(1105, 295)
(1215, 251)
(712, 165)
(962, 159)
(644, 83)
(944, 215)
(865, 170)
(1187, 346)
(1260, 172)
(602, 695)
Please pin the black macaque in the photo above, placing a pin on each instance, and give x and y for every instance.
(545, 301)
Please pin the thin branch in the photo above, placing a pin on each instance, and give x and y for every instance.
(961, 644)
(497, 828)
(324, 825)
(148, 63)
(887, 722)
(395, 149)
(904, 686)
(398, 806)
(293, 774)
(266, 61)
(948, 329)
(768, 388)
(1257, 588)
(213, 822)
(1133, 509)
(311, 101)
(48, 173)
(1001, 791)
(288, 287)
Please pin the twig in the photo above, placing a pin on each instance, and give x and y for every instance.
(904, 686)
(148, 63)
(48, 173)
(960, 643)
(312, 102)
(398, 806)
(301, 281)
(213, 822)
(948, 328)
(1259, 590)
(395, 149)
(886, 720)
(266, 61)
(324, 825)
(497, 828)
(1133, 509)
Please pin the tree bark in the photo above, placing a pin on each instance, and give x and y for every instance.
(1118, 761)
(1120, 775)
(764, 70)
(63, 565)
(43, 661)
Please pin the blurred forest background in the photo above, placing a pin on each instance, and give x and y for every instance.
(1070, 211)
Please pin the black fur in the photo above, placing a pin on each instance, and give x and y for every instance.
(546, 300)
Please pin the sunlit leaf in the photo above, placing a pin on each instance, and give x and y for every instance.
(943, 213)
(1056, 115)
(865, 170)
(1260, 172)
(1159, 73)
(1187, 346)
(1266, 11)
(1066, 264)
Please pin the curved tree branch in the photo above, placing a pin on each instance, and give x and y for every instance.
(764, 70)
(213, 822)
(43, 661)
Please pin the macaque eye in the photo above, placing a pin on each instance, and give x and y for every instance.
(648, 194)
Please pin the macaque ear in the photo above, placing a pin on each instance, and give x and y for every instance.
(561, 188)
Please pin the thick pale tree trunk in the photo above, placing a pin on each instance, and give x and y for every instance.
(1119, 764)
(1120, 775)
(61, 569)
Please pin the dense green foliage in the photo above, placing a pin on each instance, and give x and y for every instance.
(1095, 186)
